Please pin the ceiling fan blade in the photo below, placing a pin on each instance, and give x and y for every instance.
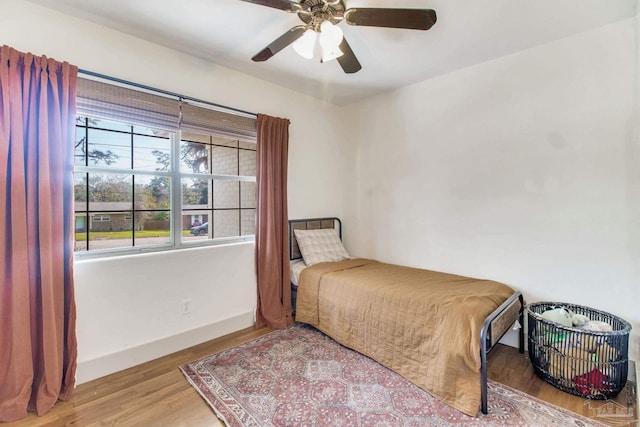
(280, 43)
(348, 60)
(289, 6)
(413, 19)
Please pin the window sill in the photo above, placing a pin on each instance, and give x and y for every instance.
(126, 252)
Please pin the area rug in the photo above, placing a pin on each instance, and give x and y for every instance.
(300, 377)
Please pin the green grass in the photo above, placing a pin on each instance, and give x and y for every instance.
(106, 235)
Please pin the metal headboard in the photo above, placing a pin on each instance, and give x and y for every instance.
(309, 224)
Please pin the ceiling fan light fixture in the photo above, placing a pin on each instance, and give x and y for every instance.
(306, 44)
(330, 38)
(330, 35)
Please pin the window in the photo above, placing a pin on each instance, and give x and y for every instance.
(152, 172)
(121, 184)
(218, 185)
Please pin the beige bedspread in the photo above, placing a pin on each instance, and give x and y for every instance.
(422, 324)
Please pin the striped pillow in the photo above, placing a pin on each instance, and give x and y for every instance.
(320, 246)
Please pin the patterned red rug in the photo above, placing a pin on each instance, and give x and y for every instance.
(300, 377)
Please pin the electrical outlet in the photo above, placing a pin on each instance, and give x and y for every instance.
(186, 306)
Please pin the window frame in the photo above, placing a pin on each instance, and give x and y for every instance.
(177, 182)
(211, 209)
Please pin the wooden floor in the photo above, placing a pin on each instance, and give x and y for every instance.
(157, 394)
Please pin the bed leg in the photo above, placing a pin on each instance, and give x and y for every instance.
(483, 376)
(521, 320)
(486, 340)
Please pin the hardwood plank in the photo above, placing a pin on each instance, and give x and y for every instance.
(156, 393)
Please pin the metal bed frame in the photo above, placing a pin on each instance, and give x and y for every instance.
(310, 224)
(494, 327)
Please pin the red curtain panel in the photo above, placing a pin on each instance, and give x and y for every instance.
(37, 308)
(272, 248)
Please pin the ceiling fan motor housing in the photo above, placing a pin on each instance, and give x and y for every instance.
(315, 12)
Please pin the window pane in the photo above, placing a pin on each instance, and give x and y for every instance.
(152, 192)
(153, 210)
(152, 228)
(109, 192)
(248, 194)
(155, 220)
(151, 154)
(109, 149)
(226, 223)
(195, 193)
(195, 226)
(247, 163)
(224, 160)
(194, 157)
(248, 222)
(226, 194)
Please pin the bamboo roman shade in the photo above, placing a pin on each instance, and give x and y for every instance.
(205, 120)
(108, 101)
(159, 111)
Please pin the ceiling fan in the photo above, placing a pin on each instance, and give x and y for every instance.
(320, 18)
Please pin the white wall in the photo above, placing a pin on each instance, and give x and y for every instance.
(129, 308)
(525, 170)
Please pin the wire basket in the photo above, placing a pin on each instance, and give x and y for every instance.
(591, 364)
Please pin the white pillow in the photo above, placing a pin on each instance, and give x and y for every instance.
(322, 245)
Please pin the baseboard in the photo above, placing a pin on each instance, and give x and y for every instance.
(95, 368)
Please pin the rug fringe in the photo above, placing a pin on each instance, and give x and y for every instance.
(194, 385)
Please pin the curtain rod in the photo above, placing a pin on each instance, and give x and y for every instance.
(164, 92)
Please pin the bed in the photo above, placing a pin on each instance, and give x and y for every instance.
(433, 328)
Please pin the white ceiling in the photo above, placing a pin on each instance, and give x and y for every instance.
(468, 32)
